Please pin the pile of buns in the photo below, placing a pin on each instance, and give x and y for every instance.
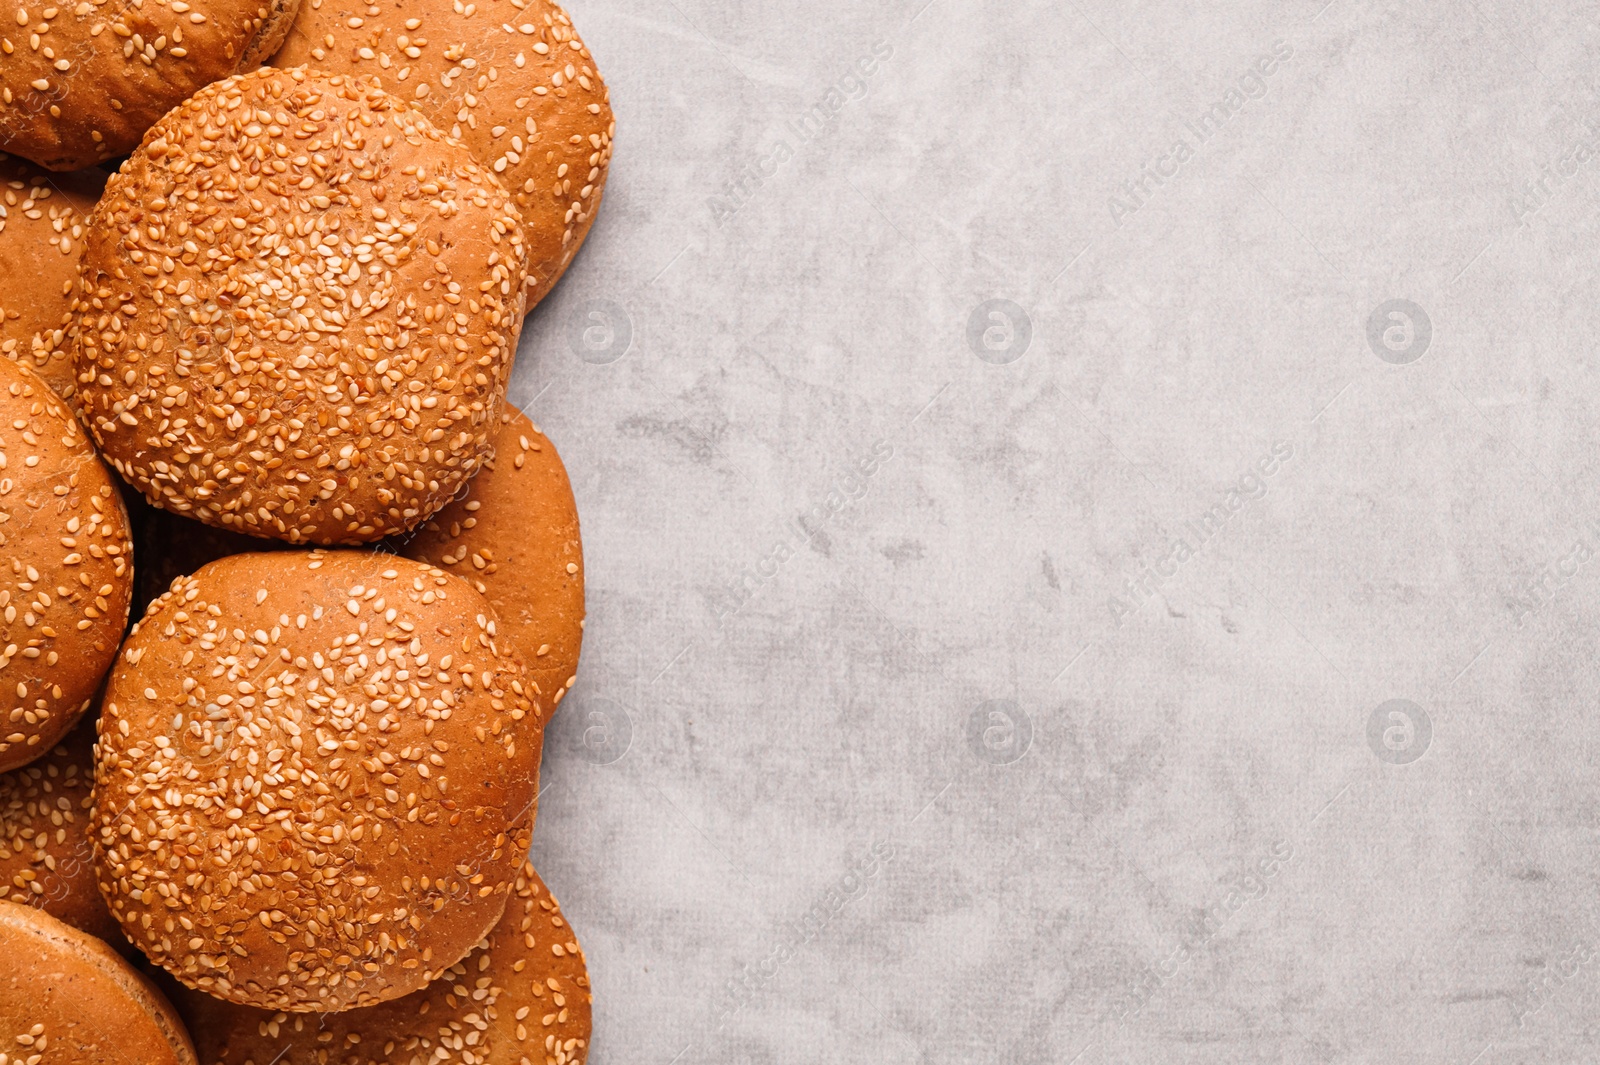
(267, 262)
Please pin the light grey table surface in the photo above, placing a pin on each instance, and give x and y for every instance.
(1192, 657)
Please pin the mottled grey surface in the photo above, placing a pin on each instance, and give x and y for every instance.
(1192, 656)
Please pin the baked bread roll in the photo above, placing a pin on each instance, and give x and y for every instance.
(509, 78)
(298, 308)
(521, 996)
(46, 860)
(66, 572)
(312, 769)
(513, 535)
(80, 84)
(67, 999)
(42, 218)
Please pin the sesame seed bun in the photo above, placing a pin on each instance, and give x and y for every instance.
(509, 78)
(311, 773)
(46, 860)
(314, 347)
(68, 999)
(42, 218)
(513, 535)
(81, 84)
(66, 570)
(521, 996)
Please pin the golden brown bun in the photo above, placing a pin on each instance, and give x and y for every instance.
(66, 573)
(540, 119)
(81, 84)
(42, 219)
(513, 534)
(523, 995)
(67, 999)
(238, 376)
(311, 768)
(46, 859)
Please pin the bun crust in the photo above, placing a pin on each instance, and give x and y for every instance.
(46, 860)
(510, 78)
(68, 999)
(513, 535)
(298, 310)
(66, 570)
(313, 769)
(105, 73)
(523, 994)
(41, 243)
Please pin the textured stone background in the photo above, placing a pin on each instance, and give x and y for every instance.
(922, 715)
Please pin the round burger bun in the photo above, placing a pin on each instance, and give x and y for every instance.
(522, 995)
(68, 999)
(46, 860)
(313, 767)
(298, 308)
(513, 535)
(42, 218)
(66, 568)
(510, 78)
(82, 83)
